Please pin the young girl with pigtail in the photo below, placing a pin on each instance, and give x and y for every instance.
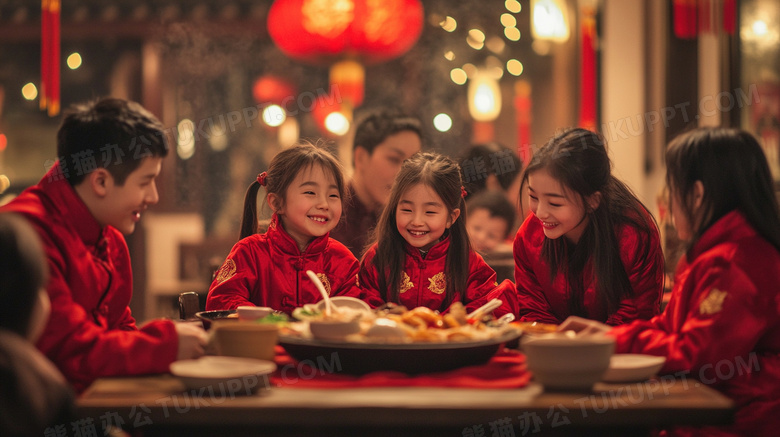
(422, 256)
(305, 187)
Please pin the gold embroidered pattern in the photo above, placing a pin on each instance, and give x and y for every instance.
(325, 282)
(357, 280)
(406, 283)
(438, 283)
(713, 303)
(227, 271)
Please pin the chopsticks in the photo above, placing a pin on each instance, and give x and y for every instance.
(484, 309)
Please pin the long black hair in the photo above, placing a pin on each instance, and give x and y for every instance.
(578, 159)
(442, 175)
(284, 167)
(733, 169)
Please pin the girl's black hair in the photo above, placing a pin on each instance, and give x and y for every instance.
(734, 171)
(578, 159)
(441, 174)
(284, 167)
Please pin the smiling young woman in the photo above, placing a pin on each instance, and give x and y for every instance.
(589, 248)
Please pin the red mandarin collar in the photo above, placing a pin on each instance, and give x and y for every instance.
(284, 242)
(65, 199)
(438, 250)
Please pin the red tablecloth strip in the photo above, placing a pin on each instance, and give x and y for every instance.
(506, 369)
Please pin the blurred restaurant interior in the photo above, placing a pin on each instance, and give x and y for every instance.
(234, 81)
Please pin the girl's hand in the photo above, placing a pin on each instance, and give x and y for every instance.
(192, 341)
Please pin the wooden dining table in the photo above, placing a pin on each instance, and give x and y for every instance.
(161, 405)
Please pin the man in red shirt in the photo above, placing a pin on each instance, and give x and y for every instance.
(383, 140)
(110, 152)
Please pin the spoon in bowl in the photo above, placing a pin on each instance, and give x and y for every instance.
(321, 288)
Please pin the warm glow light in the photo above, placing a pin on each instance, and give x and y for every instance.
(512, 33)
(508, 20)
(442, 122)
(30, 91)
(458, 76)
(477, 35)
(273, 115)
(3, 142)
(449, 24)
(484, 97)
(471, 70)
(495, 44)
(476, 39)
(760, 28)
(449, 55)
(513, 6)
(337, 123)
(74, 61)
(289, 132)
(514, 67)
(218, 141)
(549, 20)
(185, 144)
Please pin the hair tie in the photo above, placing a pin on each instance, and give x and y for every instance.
(463, 192)
(261, 178)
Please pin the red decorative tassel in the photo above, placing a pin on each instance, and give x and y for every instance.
(685, 19)
(730, 16)
(53, 103)
(45, 54)
(588, 72)
(523, 106)
(50, 57)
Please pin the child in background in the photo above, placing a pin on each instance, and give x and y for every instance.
(590, 248)
(490, 220)
(422, 247)
(33, 393)
(724, 312)
(305, 188)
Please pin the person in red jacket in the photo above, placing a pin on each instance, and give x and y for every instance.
(110, 152)
(722, 323)
(589, 248)
(423, 256)
(305, 188)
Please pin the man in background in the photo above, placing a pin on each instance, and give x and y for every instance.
(383, 140)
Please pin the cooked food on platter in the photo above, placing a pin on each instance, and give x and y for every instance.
(395, 324)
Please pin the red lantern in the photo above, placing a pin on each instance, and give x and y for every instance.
(326, 31)
(317, 31)
(271, 89)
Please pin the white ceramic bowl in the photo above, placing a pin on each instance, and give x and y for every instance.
(632, 367)
(333, 330)
(224, 375)
(563, 363)
(345, 301)
(249, 312)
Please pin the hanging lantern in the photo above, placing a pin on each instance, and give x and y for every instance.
(348, 76)
(271, 89)
(357, 32)
(550, 20)
(484, 97)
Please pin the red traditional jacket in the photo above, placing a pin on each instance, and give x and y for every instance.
(542, 300)
(722, 325)
(91, 332)
(269, 270)
(424, 282)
